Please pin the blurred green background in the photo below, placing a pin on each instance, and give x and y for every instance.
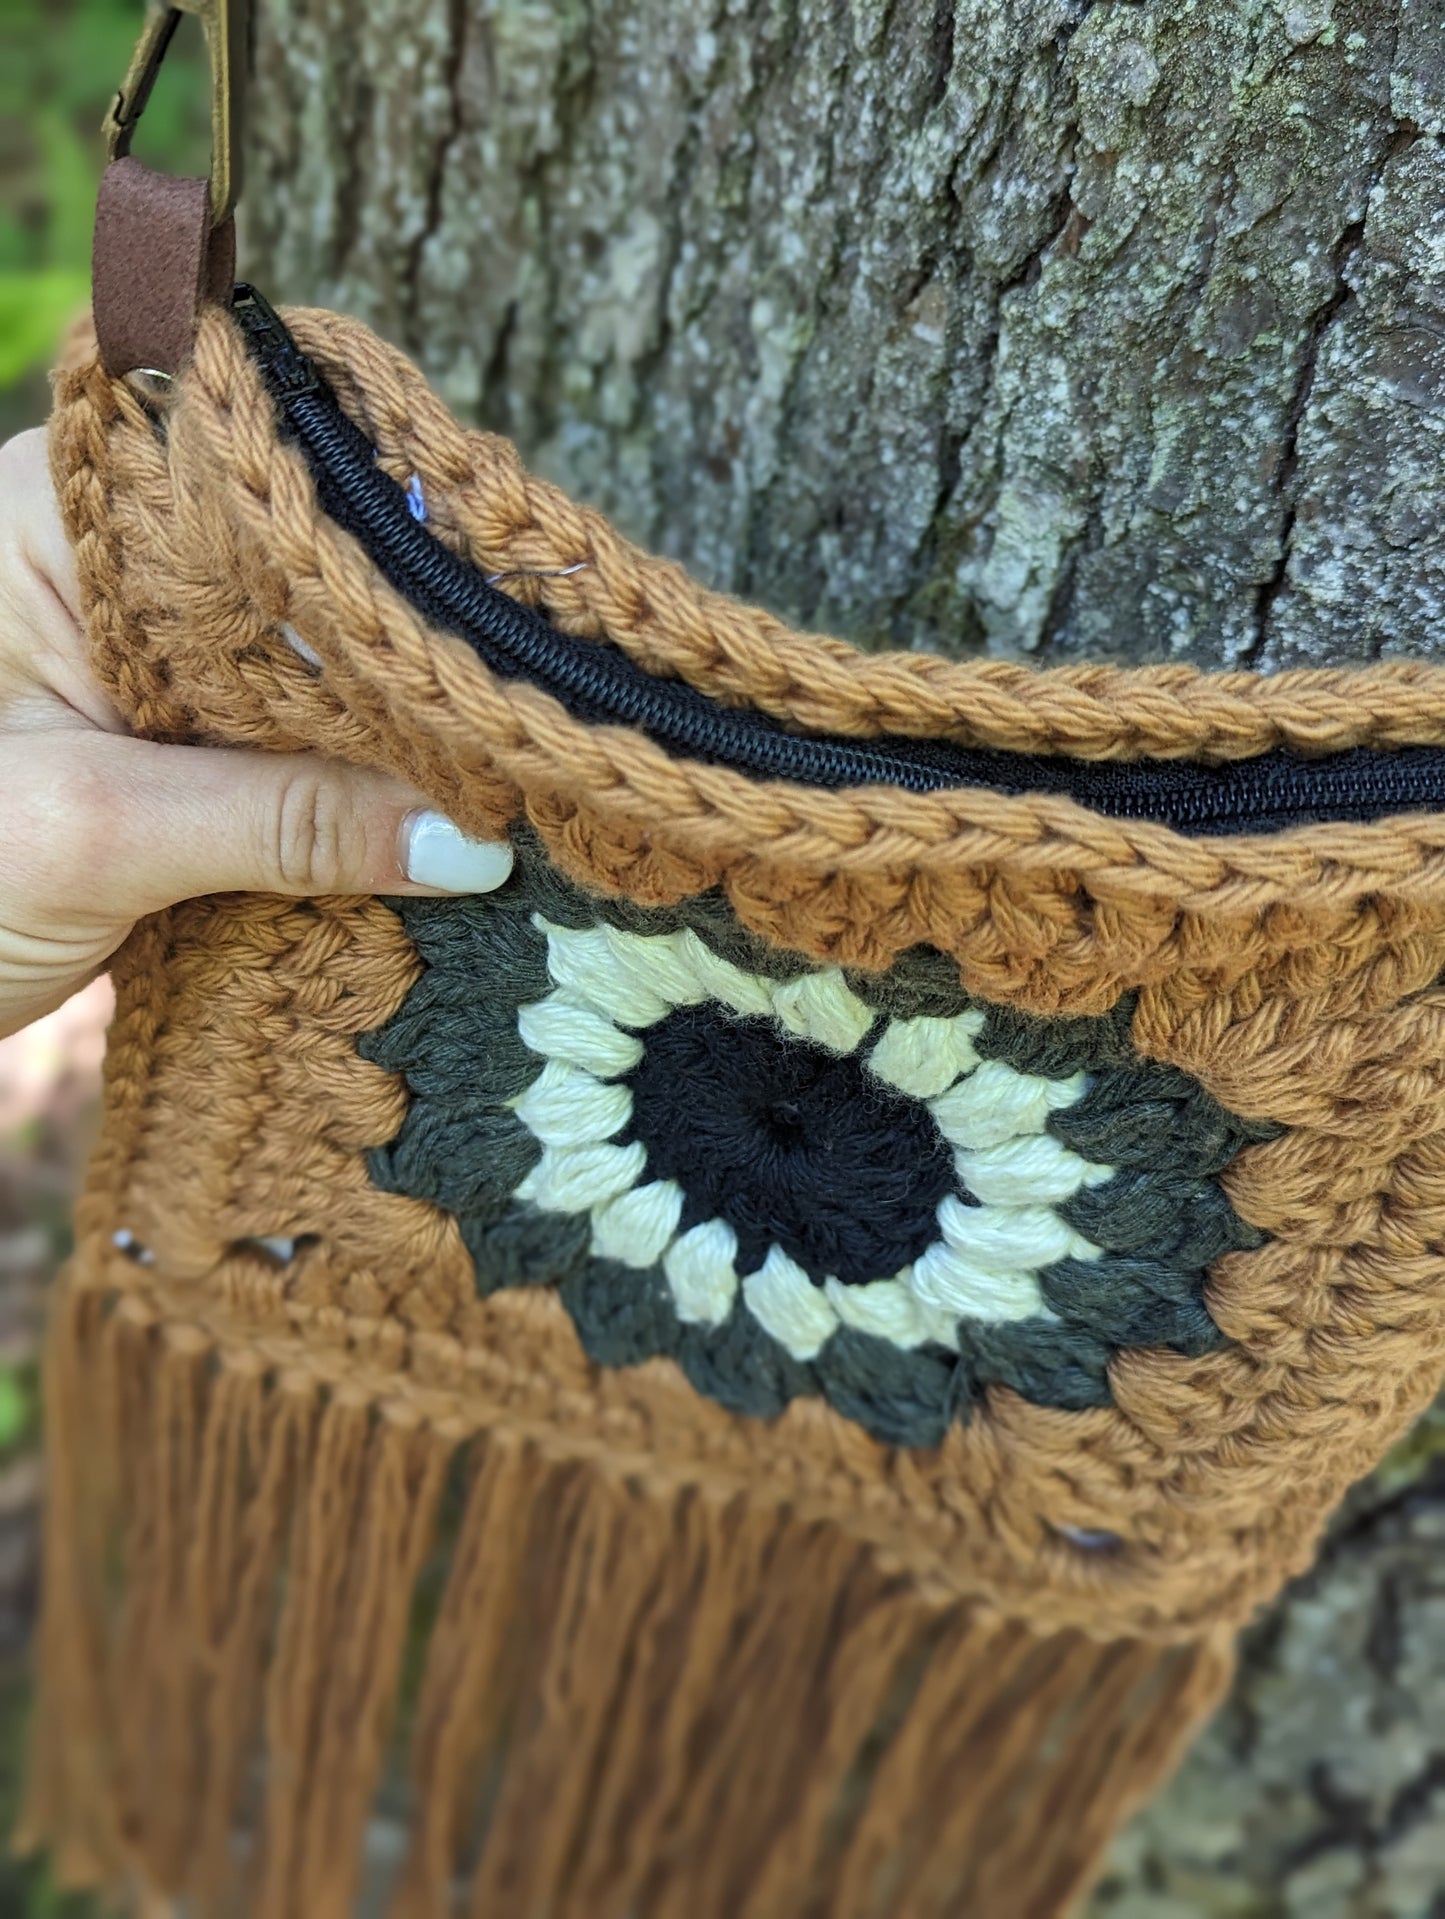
(60, 63)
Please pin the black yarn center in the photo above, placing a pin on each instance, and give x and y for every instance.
(791, 1145)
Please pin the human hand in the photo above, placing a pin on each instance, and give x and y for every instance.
(98, 828)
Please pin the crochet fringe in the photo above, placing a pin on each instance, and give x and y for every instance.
(278, 1619)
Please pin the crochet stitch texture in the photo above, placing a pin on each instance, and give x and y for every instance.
(674, 1658)
(791, 1181)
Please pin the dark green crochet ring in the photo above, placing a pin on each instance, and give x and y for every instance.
(792, 1179)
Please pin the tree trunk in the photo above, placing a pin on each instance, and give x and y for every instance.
(1041, 327)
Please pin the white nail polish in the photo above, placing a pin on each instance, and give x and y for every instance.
(438, 853)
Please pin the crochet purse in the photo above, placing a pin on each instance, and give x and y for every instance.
(756, 1369)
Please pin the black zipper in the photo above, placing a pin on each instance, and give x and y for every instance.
(599, 684)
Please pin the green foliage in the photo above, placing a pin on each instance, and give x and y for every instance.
(60, 63)
(17, 1411)
(34, 309)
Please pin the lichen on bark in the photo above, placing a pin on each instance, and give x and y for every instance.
(1057, 327)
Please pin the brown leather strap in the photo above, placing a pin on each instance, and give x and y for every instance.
(155, 260)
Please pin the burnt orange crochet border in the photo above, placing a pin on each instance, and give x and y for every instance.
(509, 520)
(1039, 899)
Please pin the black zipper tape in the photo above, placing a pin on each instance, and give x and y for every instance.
(599, 684)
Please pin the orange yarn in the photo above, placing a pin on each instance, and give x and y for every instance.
(1295, 975)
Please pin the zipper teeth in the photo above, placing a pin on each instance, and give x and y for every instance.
(601, 685)
(594, 682)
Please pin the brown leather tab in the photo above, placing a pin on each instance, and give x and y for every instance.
(155, 259)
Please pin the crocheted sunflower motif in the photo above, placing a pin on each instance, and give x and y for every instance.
(793, 1180)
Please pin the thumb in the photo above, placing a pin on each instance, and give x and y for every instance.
(124, 827)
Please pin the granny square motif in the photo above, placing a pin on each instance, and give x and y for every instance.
(792, 1179)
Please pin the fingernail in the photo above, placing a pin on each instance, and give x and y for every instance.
(438, 853)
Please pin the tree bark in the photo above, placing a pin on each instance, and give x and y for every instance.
(1047, 328)
(1319, 1790)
